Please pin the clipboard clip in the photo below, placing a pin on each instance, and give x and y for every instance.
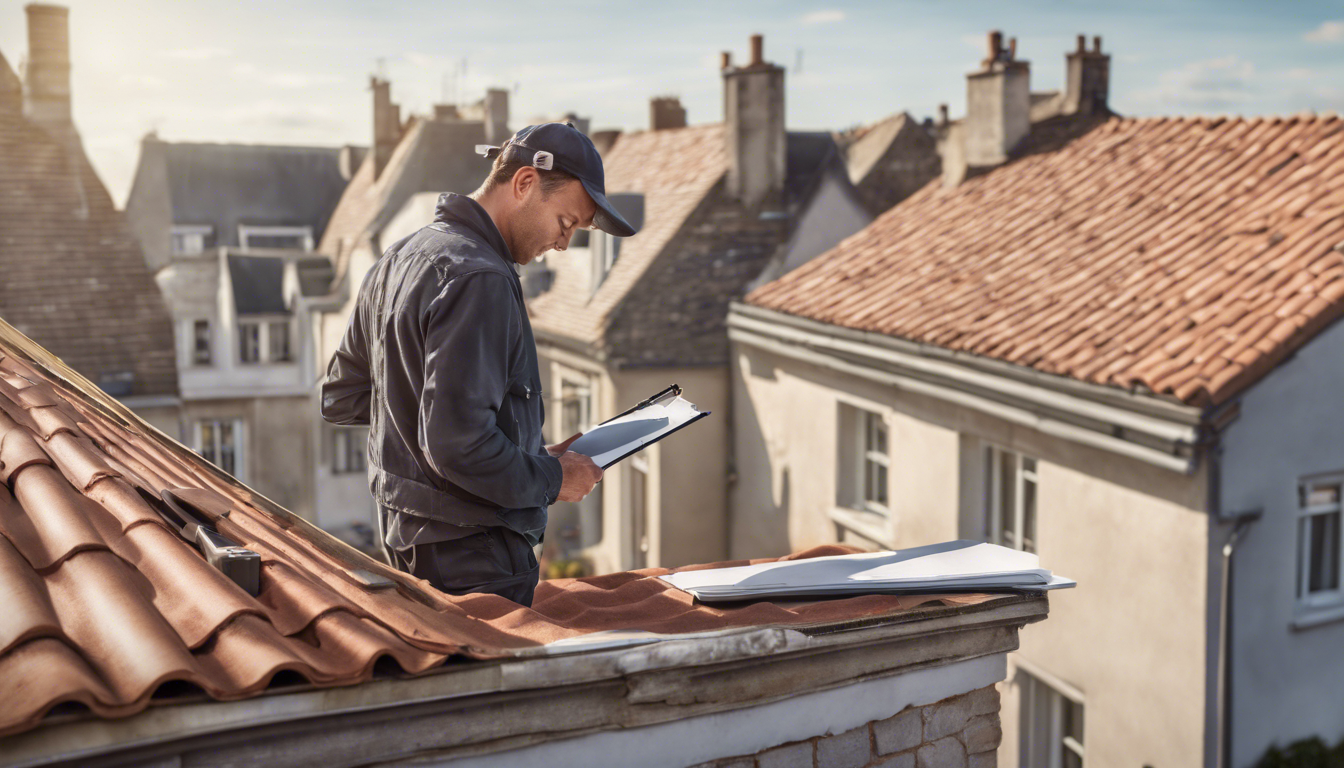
(670, 393)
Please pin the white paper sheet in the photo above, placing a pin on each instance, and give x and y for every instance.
(608, 442)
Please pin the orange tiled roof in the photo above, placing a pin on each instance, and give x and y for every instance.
(1187, 256)
(106, 607)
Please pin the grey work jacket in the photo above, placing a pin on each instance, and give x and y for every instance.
(439, 361)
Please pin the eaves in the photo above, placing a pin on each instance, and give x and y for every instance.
(1153, 429)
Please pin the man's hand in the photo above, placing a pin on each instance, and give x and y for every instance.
(581, 474)
(559, 448)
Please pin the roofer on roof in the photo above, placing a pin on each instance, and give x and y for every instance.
(439, 361)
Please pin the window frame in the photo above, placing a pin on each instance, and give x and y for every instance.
(346, 457)
(993, 459)
(864, 456)
(263, 324)
(1307, 601)
(195, 350)
(239, 428)
(1030, 685)
(304, 233)
(190, 233)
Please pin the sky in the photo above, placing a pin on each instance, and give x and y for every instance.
(298, 72)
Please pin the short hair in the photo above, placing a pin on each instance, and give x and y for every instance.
(503, 171)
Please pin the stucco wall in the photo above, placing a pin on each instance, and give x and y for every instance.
(279, 452)
(1286, 682)
(1132, 636)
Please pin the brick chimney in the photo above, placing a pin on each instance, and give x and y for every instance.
(666, 112)
(496, 108)
(386, 124)
(1087, 82)
(47, 74)
(998, 104)
(753, 106)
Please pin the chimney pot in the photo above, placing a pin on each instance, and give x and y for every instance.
(942, 115)
(727, 60)
(666, 112)
(1096, 44)
(1012, 49)
(995, 45)
(757, 50)
(1087, 79)
(496, 108)
(1082, 43)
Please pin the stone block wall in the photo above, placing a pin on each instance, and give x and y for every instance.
(957, 732)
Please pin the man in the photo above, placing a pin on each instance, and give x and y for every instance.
(439, 361)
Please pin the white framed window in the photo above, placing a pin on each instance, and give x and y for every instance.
(190, 240)
(220, 442)
(873, 472)
(349, 450)
(1010, 486)
(863, 463)
(576, 406)
(284, 238)
(200, 342)
(1319, 541)
(1051, 724)
(265, 341)
(637, 469)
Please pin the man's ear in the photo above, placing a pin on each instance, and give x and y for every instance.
(524, 181)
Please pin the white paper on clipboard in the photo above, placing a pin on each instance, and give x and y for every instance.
(613, 440)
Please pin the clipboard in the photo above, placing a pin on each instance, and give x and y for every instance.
(630, 432)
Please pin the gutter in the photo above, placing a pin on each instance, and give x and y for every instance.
(1151, 429)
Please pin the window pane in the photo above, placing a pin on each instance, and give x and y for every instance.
(278, 340)
(987, 492)
(249, 347)
(201, 349)
(207, 446)
(226, 447)
(1007, 499)
(1323, 546)
(1028, 511)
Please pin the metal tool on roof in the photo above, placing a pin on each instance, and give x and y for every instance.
(242, 566)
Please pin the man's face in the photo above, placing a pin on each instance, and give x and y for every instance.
(543, 223)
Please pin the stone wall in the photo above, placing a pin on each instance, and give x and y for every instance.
(958, 732)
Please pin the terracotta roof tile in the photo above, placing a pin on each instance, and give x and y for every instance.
(107, 608)
(1184, 256)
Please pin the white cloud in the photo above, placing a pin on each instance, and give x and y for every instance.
(1207, 85)
(1328, 32)
(828, 16)
(196, 54)
(1300, 73)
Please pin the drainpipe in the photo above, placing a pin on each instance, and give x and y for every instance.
(1225, 640)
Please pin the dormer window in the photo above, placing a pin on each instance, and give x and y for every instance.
(605, 249)
(191, 240)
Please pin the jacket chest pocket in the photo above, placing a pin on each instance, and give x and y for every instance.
(524, 402)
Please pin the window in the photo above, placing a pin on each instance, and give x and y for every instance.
(603, 249)
(219, 441)
(249, 342)
(200, 351)
(284, 238)
(191, 240)
(1010, 498)
(350, 447)
(1318, 542)
(1051, 726)
(576, 407)
(278, 341)
(863, 465)
(638, 469)
(264, 341)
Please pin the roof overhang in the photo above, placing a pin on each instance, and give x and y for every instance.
(1154, 429)
(605, 682)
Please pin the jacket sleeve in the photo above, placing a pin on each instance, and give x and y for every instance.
(471, 330)
(348, 390)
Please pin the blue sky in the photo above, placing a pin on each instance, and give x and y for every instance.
(297, 72)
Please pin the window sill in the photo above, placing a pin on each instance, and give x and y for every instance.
(870, 525)
(1315, 617)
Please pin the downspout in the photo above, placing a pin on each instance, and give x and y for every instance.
(1225, 641)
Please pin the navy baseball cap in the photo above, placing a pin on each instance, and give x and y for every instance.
(562, 147)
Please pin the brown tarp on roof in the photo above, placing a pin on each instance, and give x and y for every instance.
(104, 604)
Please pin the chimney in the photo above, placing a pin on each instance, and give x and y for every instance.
(11, 90)
(47, 73)
(496, 105)
(998, 104)
(753, 105)
(1087, 82)
(386, 124)
(666, 112)
(445, 113)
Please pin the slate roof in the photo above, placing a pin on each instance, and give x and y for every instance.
(224, 185)
(680, 173)
(258, 284)
(71, 276)
(107, 610)
(1181, 256)
(889, 160)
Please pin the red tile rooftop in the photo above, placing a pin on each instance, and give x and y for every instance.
(106, 607)
(1181, 256)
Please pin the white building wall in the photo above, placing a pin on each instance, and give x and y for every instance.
(1287, 677)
